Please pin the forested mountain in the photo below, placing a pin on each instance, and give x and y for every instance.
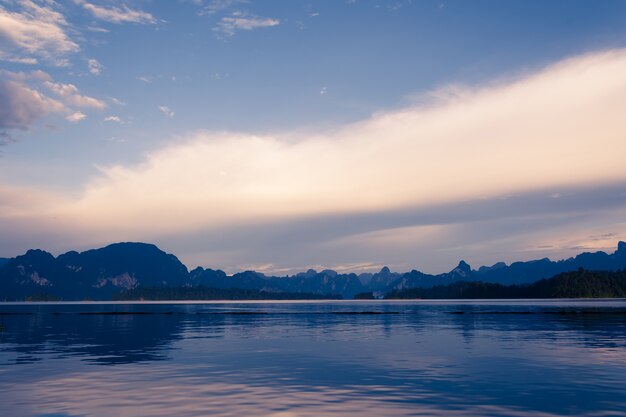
(573, 284)
(101, 274)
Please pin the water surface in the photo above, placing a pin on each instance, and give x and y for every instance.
(331, 358)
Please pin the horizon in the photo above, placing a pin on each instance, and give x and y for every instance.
(299, 135)
(616, 248)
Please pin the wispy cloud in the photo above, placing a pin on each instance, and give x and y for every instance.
(17, 59)
(217, 6)
(114, 14)
(22, 106)
(75, 117)
(94, 66)
(70, 95)
(166, 111)
(97, 29)
(25, 99)
(33, 31)
(116, 101)
(115, 119)
(238, 21)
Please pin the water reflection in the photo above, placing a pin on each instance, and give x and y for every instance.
(305, 359)
(99, 339)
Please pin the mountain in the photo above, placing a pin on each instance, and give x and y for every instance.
(516, 273)
(573, 284)
(324, 282)
(203, 293)
(379, 280)
(100, 274)
(94, 274)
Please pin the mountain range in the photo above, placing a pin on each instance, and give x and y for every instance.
(101, 274)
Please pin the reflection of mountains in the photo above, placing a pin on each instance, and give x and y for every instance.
(102, 339)
(139, 333)
(595, 327)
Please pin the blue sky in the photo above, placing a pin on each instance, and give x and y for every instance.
(107, 103)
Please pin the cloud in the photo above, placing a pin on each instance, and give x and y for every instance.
(24, 101)
(75, 117)
(116, 101)
(35, 31)
(22, 106)
(229, 25)
(145, 79)
(17, 60)
(122, 14)
(94, 66)
(97, 29)
(167, 111)
(216, 6)
(483, 144)
(70, 95)
(115, 119)
(458, 172)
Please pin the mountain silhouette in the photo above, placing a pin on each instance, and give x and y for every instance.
(100, 274)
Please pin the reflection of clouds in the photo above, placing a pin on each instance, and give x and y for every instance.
(130, 395)
(166, 392)
(607, 355)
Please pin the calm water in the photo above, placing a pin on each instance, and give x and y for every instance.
(314, 359)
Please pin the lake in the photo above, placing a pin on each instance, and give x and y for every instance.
(300, 359)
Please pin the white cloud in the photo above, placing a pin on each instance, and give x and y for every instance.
(113, 14)
(116, 101)
(558, 129)
(21, 76)
(35, 31)
(97, 29)
(24, 101)
(115, 119)
(229, 25)
(145, 79)
(167, 111)
(18, 60)
(75, 117)
(22, 106)
(216, 6)
(70, 95)
(94, 66)
(540, 131)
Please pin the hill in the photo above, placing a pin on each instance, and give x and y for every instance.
(575, 284)
(101, 274)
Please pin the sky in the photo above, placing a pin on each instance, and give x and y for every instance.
(285, 135)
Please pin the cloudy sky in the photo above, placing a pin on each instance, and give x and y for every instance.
(291, 134)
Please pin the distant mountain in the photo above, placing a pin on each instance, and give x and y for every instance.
(326, 282)
(3, 261)
(100, 274)
(573, 284)
(204, 293)
(516, 273)
(380, 280)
